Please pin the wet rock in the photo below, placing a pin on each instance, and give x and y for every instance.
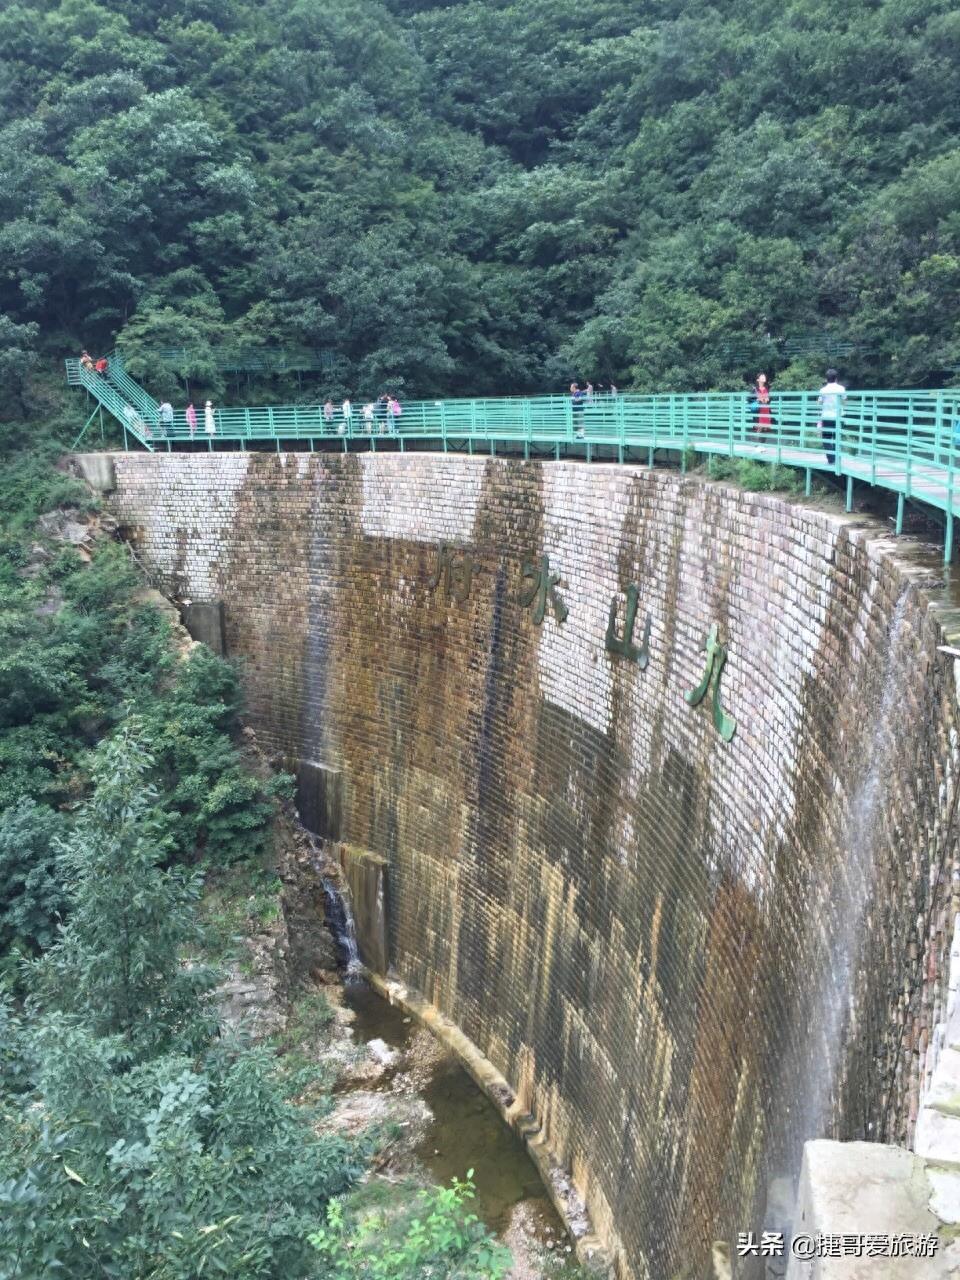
(381, 1052)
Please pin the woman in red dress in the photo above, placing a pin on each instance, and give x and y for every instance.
(761, 394)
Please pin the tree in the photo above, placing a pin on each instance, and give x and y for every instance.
(31, 893)
(119, 960)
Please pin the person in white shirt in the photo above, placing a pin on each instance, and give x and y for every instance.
(166, 417)
(830, 401)
(347, 410)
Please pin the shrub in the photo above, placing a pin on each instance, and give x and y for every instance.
(31, 893)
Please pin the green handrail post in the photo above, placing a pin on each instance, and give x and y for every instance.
(873, 437)
(909, 468)
(938, 432)
(731, 418)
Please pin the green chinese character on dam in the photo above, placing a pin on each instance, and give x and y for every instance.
(455, 570)
(725, 725)
(544, 585)
(624, 646)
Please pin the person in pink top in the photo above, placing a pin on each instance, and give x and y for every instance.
(191, 417)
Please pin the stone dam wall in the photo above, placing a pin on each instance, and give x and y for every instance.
(685, 955)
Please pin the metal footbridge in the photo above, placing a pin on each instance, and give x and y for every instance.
(905, 441)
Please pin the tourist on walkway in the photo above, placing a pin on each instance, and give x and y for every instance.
(395, 411)
(328, 410)
(191, 417)
(830, 401)
(86, 361)
(576, 408)
(209, 422)
(166, 417)
(761, 405)
(101, 366)
(347, 410)
(368, 417)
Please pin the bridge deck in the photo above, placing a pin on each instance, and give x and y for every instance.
(905, 441)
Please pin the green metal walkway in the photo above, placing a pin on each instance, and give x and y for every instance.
(905, 441)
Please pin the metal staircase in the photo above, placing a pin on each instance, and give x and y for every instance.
(136, 411)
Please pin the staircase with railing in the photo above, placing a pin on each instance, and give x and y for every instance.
(135, 420)
(132, 391)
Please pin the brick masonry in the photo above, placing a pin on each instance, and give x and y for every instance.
(685, 956)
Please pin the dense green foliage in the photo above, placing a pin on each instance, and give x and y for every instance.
(78, 649)
(436, 1232)
(496, 194)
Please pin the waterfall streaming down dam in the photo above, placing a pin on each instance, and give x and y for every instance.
(643, 785)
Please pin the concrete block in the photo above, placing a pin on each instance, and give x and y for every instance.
(319, 797)
(205, 622)
(98, 471)
(865, 1188)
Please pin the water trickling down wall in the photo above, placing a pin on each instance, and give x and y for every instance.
(685, 955)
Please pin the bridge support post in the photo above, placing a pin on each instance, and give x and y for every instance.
(493, 447)
(556, 451)
(808, 487)
(588, 450)
(620, 453)
(650, 456)
(948, 540)
(849, 493)
(403, 445)
(899, 514)
(526, 450)
(83, 431)
(344, 444)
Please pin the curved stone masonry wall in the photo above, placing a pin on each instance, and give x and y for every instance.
(685, 955)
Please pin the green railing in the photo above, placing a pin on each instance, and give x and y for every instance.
(905, 441)
(132, 392)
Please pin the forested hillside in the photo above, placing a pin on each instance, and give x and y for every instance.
(486, 196)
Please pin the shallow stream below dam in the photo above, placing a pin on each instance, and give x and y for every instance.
(466, 1132)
